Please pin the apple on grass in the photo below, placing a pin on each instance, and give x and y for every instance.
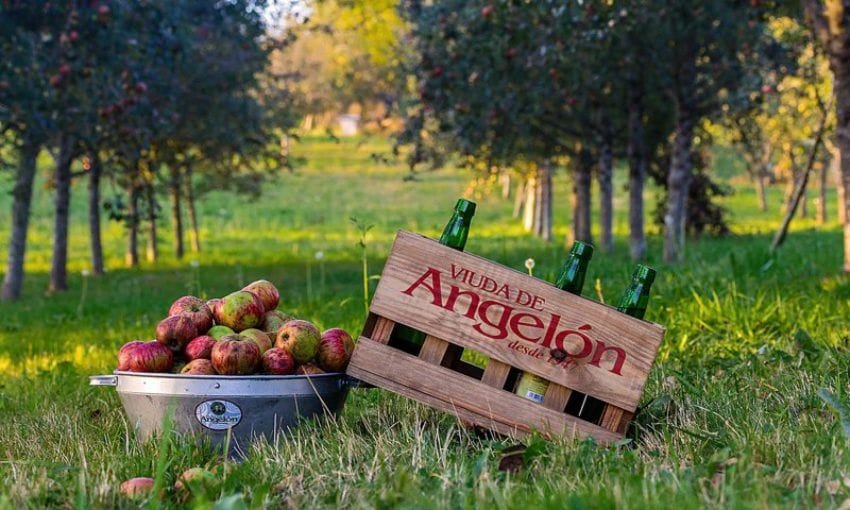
(267, 293)
(137, 487)
(176, 331)
(335, 350)
(240, 310)
(299, 338)
(235, 355)
(138, 356)
(194, 308)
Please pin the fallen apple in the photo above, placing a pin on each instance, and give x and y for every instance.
(299, 338)
(235, 355)
(277, 361)
(335, 350)
(137, 487)
(196, 479)
(194, 308)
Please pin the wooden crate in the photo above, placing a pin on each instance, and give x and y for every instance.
(462, 301)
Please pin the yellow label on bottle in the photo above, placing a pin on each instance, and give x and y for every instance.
(532, 387)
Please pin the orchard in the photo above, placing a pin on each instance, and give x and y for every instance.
(408, 254)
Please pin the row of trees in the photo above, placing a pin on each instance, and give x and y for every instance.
(538, 85)
(158, 97)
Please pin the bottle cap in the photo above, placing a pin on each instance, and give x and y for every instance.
(465, 207)
(644, 274)
(582, 250)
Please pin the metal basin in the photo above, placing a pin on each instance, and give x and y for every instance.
(209, 406)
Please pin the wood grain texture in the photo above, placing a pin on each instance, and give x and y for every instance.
(434, 350)
(489, 407)
(611, 418)
(413, 255)
(556, 396)
(383, 330)
(496, 374)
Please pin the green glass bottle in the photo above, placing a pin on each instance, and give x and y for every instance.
(454, 236)
(633, 302)
(570, 279)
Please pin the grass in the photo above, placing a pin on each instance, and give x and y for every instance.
(732, 415)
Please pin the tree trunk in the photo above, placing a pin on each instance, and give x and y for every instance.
(822, 187)
(95, 172)
(804, 204)
(519, 198)
(759, 179)
(59, 260)
(13, 280)
(505, 180)
(581, 196)
(841, 87)
(195, 235)
(530, 203)
(131, 257)
(839, 187)
(543, 212)
(606, 195)
(152, 248)
(637, 175)
(176, 210)
(678, 184)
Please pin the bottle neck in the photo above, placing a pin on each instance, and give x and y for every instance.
(635, 299)
(572, 275)
(456, 231)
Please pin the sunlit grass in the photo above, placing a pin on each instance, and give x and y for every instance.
(731, 413)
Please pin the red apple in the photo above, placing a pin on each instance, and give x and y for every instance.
(299, 338)
(240, 310)
(273, 320)
(137, 487)
(64, 70)
(196, 478)
(235, 355)
(141, 87)
(278, 362)
(176, 331)
(199, 367)
(194, 308)
(309, 369)
(335, 350)
(199, 347)
(212, 304)
(218, 332)
(267, 293)
(258, 337)
(73, 36)
(145, 357)
(487, 10)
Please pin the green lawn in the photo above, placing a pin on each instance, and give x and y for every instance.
(732, 416)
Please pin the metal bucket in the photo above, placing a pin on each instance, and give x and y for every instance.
(210, 406)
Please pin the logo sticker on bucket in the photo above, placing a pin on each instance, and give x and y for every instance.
(218, 414)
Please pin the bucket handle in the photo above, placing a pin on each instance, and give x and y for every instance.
(103, 380)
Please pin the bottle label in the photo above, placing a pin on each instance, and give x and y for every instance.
(532, 387)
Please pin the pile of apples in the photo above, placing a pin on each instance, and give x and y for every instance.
(242, 333)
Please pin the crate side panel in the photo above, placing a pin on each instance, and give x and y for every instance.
(460, 392)
(517, 319)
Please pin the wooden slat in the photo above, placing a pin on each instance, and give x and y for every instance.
(556, 397)
(383, 330)
(412, 377)
(434, 350)
(496, 374)
(412, 257)
(615, 419)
